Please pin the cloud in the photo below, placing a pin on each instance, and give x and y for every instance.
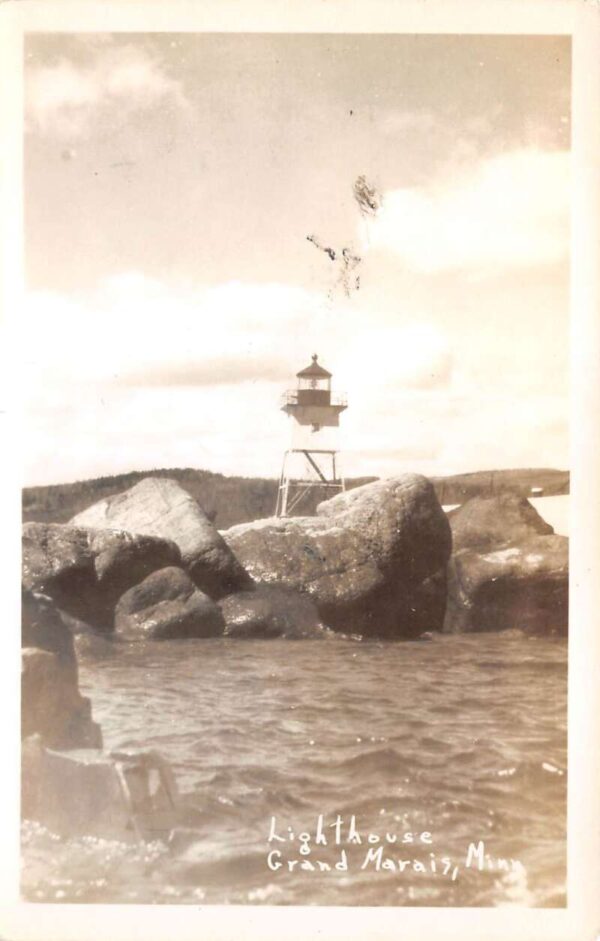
(65, 98)
(492, 430)
(142, 373)
(511, 212)
(414, 355)
(428, 434)
(137, 331)
(218, 370)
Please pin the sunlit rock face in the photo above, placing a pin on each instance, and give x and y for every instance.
(160, 507)
(370, 560)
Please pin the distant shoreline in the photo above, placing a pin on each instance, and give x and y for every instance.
(230, 500)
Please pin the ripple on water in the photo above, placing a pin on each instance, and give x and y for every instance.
(464, 736)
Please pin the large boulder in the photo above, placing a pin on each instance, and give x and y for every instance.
(157, 506)
(168, 605)
(364, 560)
(268, 611)
(485, 523)
(508, 570)
(86, 571)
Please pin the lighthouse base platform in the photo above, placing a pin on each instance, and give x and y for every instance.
(307, 478)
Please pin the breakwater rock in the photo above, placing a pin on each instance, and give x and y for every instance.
(168, 605)
(508, 569)
(374, 561)
(270, 611)
(367, 560)
(85, 571)
(160, 507)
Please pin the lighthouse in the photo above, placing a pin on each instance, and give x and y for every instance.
(309, 464)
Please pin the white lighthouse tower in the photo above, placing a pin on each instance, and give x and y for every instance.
(310, 463)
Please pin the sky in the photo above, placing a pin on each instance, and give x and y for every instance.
(171, 182)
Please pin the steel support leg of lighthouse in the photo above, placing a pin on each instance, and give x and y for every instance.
(322, 475)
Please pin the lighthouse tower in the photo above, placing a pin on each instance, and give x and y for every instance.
(310, 463)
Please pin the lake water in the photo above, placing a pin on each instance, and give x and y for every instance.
(462, 738)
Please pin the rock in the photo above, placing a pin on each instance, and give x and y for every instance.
(508, 571)
(167, 584)
(167, 604)
(486, 523)
(89, 792)
(363, 560)
(51, 704)
(429, 602)
(86, 571)
(270, 612)
(157, 506)
(523, 588)
(72, 793)
(43, 627)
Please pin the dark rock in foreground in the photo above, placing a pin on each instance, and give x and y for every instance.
(85, 572)
(161, 507)
(509, 569)
(167, 605)
(363, 560)
(43, 627)
(270, 612)
(51, 704)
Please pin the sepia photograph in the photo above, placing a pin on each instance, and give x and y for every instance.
(295, 364)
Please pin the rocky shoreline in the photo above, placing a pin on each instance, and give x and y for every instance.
(382, 561)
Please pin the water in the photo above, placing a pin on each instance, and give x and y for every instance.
(462, 737)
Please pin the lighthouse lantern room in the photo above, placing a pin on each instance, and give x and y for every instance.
(310, 463)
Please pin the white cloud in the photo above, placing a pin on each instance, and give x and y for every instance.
(438, 432)
(137, 330)
(64, 99)
(496, 431)
(385, 358)
(144, 374)
(510, 212)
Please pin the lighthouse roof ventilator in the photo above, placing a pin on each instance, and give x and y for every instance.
(311, 463)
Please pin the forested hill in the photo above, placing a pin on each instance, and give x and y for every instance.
(231, 500)
(526, 481)
(227, 500)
